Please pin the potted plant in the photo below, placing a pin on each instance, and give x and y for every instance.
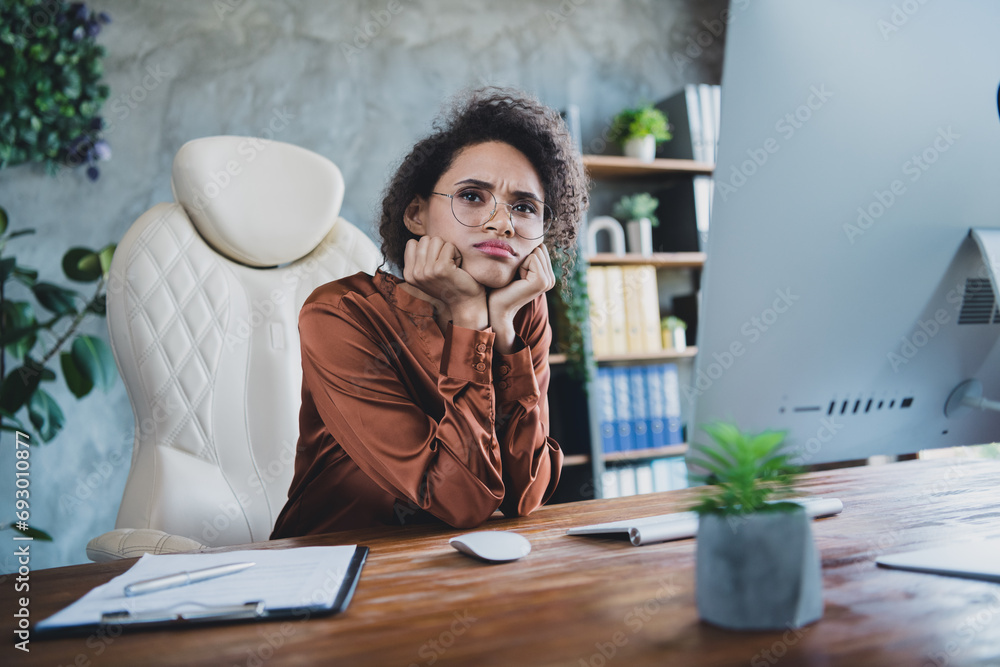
(674, 332)
(757, 567)
(639, 130)
(638, 212)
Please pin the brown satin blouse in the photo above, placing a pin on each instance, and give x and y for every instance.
(400, 421)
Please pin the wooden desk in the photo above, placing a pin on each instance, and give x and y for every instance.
(595, 601)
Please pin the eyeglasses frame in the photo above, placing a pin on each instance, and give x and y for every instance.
(546, 220)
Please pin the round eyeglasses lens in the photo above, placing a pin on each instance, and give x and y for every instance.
(531, 218)
(473, 206)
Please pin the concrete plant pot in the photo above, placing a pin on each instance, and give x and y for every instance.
(759, 571)
(640, 236)
(641, 148)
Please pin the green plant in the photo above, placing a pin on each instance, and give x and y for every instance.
(33, 338)
(637, 207)
(638, 122)
(746, 471)
(571, 313)
(50, 85)
(673, 322)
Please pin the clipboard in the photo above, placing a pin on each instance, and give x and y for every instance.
(311, 582)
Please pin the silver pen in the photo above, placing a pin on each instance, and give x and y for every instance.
(183, 578)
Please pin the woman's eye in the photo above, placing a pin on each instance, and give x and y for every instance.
(526, 207)
(472, 196)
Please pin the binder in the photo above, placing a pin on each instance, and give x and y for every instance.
(672, 389)
(642, 309)
(683, 111)
(606, 396)
(633, 277)
(657, 406)
(685, 214)
(597, 291)
(299, 583)
(661, 475)
(643, 478)
(626, 481)
(678, 473)
(615, 308)
(625, 437)
(706, 106)
(650, 309)
(609, 484)
(640, 406)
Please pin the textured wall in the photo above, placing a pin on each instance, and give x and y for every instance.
(306, 72)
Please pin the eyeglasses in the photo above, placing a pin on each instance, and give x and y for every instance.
(474, 207)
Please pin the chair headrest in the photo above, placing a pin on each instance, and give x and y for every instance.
(258, 202)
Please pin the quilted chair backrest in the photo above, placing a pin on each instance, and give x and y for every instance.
(203, 304)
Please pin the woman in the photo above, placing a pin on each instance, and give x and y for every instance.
(426, 397)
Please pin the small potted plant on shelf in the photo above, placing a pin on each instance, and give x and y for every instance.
(757, 567)
(639, 130)
(674, 332)
(638, 213)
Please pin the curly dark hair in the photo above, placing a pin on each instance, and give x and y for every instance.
(493, 114)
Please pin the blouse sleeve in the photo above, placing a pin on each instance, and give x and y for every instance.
(450, 468)
(531, 459)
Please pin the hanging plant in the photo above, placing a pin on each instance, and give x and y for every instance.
(572, 314)
(50, 85)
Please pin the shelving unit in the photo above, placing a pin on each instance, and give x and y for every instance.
(617, 170)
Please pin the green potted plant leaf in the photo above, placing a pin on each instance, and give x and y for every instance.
(639, 130)
(638, 213)
(40, 320)
(757, 567)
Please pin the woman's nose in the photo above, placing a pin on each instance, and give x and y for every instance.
(501, 220)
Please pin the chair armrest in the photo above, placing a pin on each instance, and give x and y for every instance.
(133, 542)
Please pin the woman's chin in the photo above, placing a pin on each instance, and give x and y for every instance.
(492, 277)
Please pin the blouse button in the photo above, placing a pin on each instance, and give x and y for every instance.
(480, 367)
(504, 370)
(481, 347)
(503, 384)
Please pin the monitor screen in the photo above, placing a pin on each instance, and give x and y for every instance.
(843, 299)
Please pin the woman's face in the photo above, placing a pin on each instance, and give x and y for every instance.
(491, 253)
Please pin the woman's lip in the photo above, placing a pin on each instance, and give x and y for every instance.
(495, 248)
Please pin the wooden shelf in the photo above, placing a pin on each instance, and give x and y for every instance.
(662, 260)
(687, 353)
(614, 166)
(576, 460)
(690, 351)
(640, 454)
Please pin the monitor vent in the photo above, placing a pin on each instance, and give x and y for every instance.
(978, 304)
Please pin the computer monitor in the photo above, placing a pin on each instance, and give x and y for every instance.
(843, 299)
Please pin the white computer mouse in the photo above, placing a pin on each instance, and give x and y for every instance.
(495, 546)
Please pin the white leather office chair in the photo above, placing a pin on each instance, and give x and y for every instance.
(203, 303)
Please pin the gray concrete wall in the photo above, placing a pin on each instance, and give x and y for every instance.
(306, 70)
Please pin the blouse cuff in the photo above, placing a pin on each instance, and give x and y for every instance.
(468, 354)
(515, 376)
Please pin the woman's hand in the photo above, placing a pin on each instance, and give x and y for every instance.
(434, 266)
(534, 277)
